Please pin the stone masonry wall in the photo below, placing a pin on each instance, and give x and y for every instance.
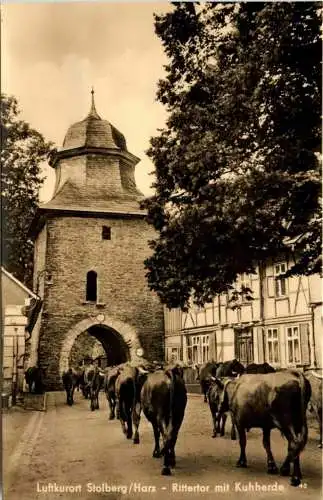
(75, 246)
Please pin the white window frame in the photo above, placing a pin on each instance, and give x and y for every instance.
(293, 338)
(199, 348)
(280, 283)
(245, 280)
(271, 340)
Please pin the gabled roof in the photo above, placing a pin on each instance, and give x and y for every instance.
(32, 310)
(18, 283)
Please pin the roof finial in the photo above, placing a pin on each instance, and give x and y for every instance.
(93, 111)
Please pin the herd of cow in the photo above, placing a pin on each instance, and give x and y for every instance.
(255, 397)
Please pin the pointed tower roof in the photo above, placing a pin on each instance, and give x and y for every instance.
(93, 132)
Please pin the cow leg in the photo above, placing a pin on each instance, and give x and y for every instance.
(214, 419)
(285, 468)
(156, 452)
(172, 444)
(165, 451)
(118, 408)
(129, 423)
(233, 431)
(204, 390)
(70, 397)
(319, 417)
(292, 456)
(123, 426)
(242, 462)
(136, 421)
(168, 459)
(224, 418)
(112, 408)
(169, 454)
(123, 416)
(271, 466)
(112, 405)
(297, 475)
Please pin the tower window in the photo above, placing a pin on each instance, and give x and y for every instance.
(91, 286)
(106, 233)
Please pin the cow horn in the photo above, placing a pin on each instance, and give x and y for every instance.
(142, 370)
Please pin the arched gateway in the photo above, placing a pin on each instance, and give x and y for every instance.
(119, 340)
(91, 241)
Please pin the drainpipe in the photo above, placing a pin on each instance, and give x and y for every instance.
(261, 309)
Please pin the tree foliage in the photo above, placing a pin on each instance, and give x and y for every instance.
(237, 165)
(22, 151)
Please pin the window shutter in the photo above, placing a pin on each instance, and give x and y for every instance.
(304, 339)
(262, 352)
(212, 350)
(270, 286)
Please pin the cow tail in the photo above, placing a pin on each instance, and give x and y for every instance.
(171, 404)
(304, 430)
(134, 394)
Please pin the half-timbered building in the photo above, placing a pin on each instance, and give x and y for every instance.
(282, 324)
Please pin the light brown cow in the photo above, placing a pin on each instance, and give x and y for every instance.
(315, 405)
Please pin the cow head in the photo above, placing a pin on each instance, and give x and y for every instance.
(220, 395)
(141, 375)
(174, 371)
(236, 368)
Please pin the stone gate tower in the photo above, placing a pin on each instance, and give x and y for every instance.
(90, 246)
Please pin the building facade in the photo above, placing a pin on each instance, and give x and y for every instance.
(282, 324)
(91, 240)
(20, 307)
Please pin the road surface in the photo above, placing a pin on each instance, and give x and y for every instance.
(73, 453)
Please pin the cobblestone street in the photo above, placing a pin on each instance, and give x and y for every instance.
(85, 452)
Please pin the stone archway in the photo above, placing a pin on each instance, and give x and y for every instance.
(127, 332)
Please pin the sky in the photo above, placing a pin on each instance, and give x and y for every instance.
(52, 55)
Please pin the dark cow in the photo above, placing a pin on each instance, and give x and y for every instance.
(205, 373)
(70, 380)
(231, 368)
(315, 406)
(215, 395)
(163, 399)
(214, 392)
(260, 368)
(85, 381)
(111, 375)
(34, 377)
(95, 384)
(127, 390)
(267, 401)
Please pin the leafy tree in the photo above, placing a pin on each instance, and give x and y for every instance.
(237, 165)
(22, 151)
